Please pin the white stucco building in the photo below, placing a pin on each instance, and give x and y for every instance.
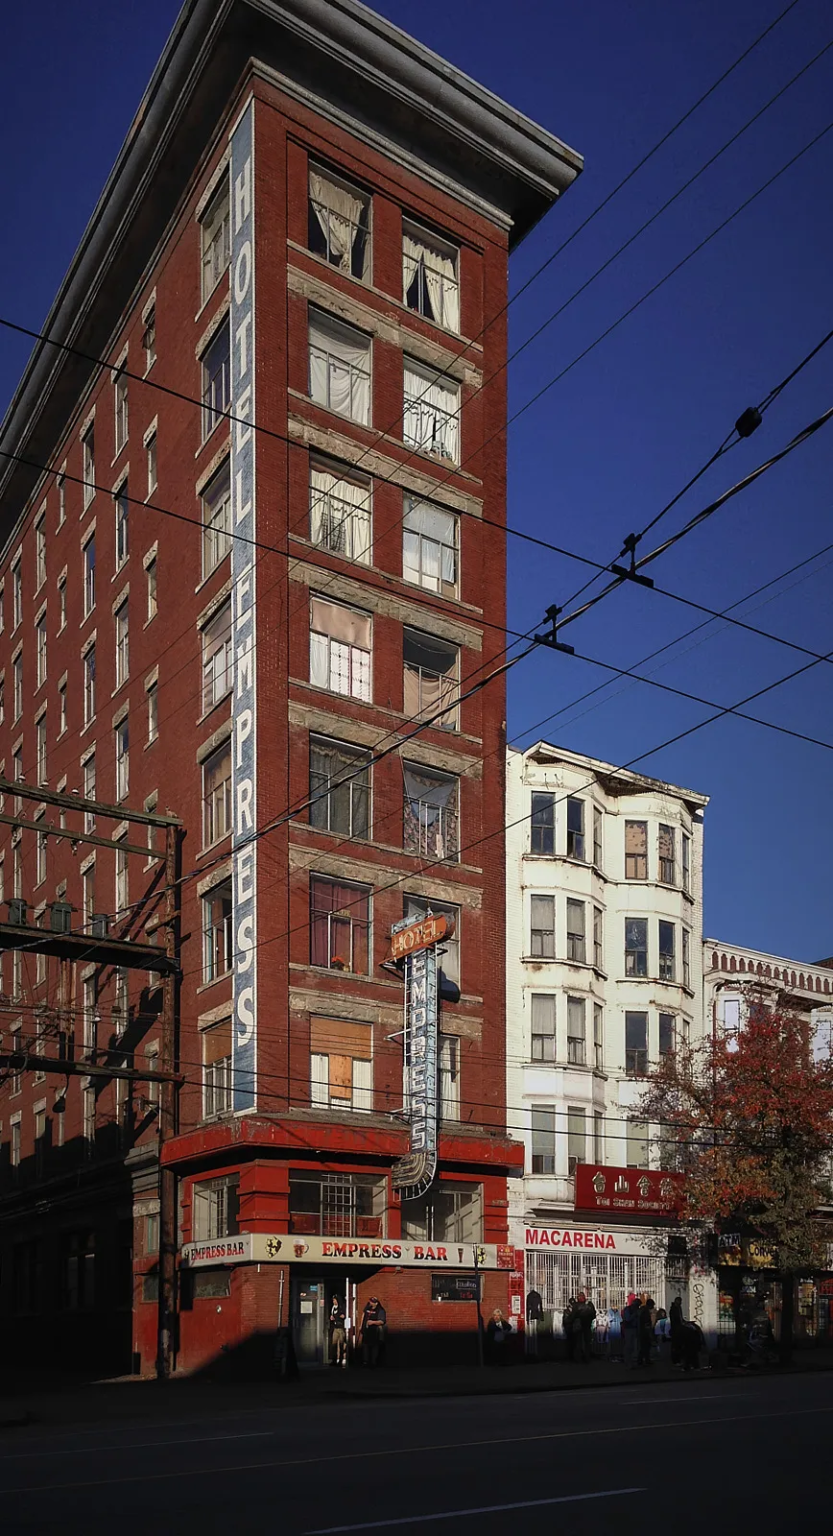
(732, 975)
(604, 974)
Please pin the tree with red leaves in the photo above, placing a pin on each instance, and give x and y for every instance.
(749, 1119)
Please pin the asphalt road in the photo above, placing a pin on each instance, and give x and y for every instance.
(693, 1456)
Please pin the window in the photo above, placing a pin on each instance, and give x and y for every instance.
(339, 647)
(89, 791)
(543, 823)
(666, 1034)
(429, 277)
(17, 595)
(575, 828)
(576, 943)
(339, 223)
(88, 464)
(686, 861)
(542, 928)
(429, 547)
(449, 1213)
(637, 1144)
(152, 607)
(598, 837)
(152, 1234)
(576, 1032)
(339, 786)
(686, 958)
(543, 1027)
(431, 813)
(667, 968)
(636, 850)
(122, 735)
(40, 748)
(337, 1204)
(340, 513)
(598, 1037)
(216, 795)
(731, 1022)
(149, 337)
(152, 691)
(598, 1138)
(217, 932)
(2, 700)
(40, 551)
(89, 684)
(215, 238)
(216, 379)
(62, 603)
(122, 897)
(598, 939)
(430, 679)
(576, 1136)
(2, 606)
(214, 1208)
(40, 861)
(341, 1064)
(89, 575)
(217, 657)
(62, 707)
(88, 893)
(339, 925)
(120, 1013)
(150, 447)
(122, 644)
(216, 518)
(543, 1139)
(636, 1044)
(40, 642)
(449, 1077)
(217, 1070)
(636, 946)
(449, 954)
(18, 776)
(61, 483)
(17, 684)
(152, 1065)
(667, 855)
(430, 420)
(120, 409)
(339, 367)
(78, 1268)
(122, 505)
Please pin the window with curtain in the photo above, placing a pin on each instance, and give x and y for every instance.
(339, 925)
(636, 850)
(339, 367)
(217, 657)
(542, 928)
(339, 223)
(431, 813)
(416, 907)
(636, 946)
(449, 1077)
(576, 940)
(576, 1032)
(429, 276)
(339, 785)
(576, 1136)
(430, 678)
(215, 236)
(543, 1138)
(339, 513)
(429, 547)
(341, 1064)
(667, 967)
(217, 1082)
(431, 419)
(339, 648)
(667, 858)
(542, 1008)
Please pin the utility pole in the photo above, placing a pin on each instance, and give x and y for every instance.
(167, 1119)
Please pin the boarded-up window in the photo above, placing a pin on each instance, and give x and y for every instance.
(216, 1042)
(341, 1063)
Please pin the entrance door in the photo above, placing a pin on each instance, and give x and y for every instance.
(309, 1319)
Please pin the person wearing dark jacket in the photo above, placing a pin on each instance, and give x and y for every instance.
(630, 1329)
(691, 1343)
(586, 1319)
(338, 1334)
(675, 1318)
(374, 1322)
(571, 1325)
(498, 1334)
(645, 1330)
(534, 1315)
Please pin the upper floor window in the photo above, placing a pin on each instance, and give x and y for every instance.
(122, 503)
(667, 1033)
(598, 1037)
(339, 925)
(686, 860)
(339, 223)
(214, 1208)
(122, 761)
(61, 483)
(637, 1144)
(217, 932)
(431, 813)
(339, 786)
(543, 1138)
(217, 1071)
(542, 928)
(636, 850)
(636, 946)
(448, 1071)
(636, 1044)
(667, 969)
(89, 684)
(216, 795)
(431, 419)
(339, 367)
(686, 957)
(217, 655)
(215, 236)
(598, 939)
(150, 447)
(575, 828)
(17, 595)
(417, 907)
(430, 678)
(216, 379)
(576, 941)
(17, 686)
(149, 337)
(341, 1064)
(88, 463)
(449, 1213)
(543, 1026)
(216, 518)
(120, 409)
(339, 648)
(429, 276)
(40, 550)
(598, 838)
(576, 1136)
(340, 513)
(429, 547)
(122, 644)
(543, 822)
(89, 575)
(40, 638)
(667, 855)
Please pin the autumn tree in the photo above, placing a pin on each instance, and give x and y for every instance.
(748, 1118)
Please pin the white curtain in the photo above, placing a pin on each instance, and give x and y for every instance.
(338, 212)
(339, 365)
(412, 253)
(319, 660)
(439, 275)
(362, 1084)
(430, 419)
(319, 1079)
(350, 509)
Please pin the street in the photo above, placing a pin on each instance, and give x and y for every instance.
(700, 1455)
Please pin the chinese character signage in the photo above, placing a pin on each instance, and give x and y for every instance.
(644, 1191)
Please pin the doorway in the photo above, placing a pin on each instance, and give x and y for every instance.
(311, 1298)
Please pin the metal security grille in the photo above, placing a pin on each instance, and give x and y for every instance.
(337, 1205)
(606, 1278)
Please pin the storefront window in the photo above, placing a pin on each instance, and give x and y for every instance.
(449, 1213)
(214, 1208)
(337, 1204)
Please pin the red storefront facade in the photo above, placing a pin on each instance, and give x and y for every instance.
(299, 236)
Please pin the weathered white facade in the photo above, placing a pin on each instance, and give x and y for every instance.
(604, 974)
(734, 975)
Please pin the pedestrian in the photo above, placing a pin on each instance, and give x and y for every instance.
(675, 1318)
(662, 1333)
(586, 1319)
(338, 1333)
(691, 1343)
(572, 1326)
(645, 1330)
(534, 1315)
(630, 1329)
(374, 1324)
(498, 1332)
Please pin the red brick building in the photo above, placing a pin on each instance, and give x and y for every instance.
(237, 619)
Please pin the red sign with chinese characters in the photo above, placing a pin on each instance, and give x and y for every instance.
(644, 1191)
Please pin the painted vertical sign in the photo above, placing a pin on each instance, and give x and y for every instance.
(244, 707)
(414, 1174)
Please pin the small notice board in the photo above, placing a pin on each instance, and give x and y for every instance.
(455, 1287)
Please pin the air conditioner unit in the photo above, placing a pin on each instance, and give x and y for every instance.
(100, 925)
(60, 917)
(17, 912)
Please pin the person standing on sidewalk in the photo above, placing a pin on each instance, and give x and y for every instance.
(645, 1324)
(675, 1318)
(572, 1327)
(534, 1315)
(498, 1333)
(338, 1333)
(630, 1327)
(374, 1323)
(586, 1319)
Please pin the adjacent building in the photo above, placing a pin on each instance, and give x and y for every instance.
(250, 560)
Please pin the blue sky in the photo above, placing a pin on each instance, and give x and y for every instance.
(608, 445)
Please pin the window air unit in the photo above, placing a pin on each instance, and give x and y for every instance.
(17, 912)
(60, 917)
(99, 925)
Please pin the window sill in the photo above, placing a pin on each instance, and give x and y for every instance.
(119, 568)
(151, 743)
(87, 725)
(209, 296)
(223, 420)
(339, 415)
(201, 719)
(86, 507)
(119, 686)
(88, 615)
(205, 986)
(205, 579)
(148, 621)
(119, 451)
(212, 847)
